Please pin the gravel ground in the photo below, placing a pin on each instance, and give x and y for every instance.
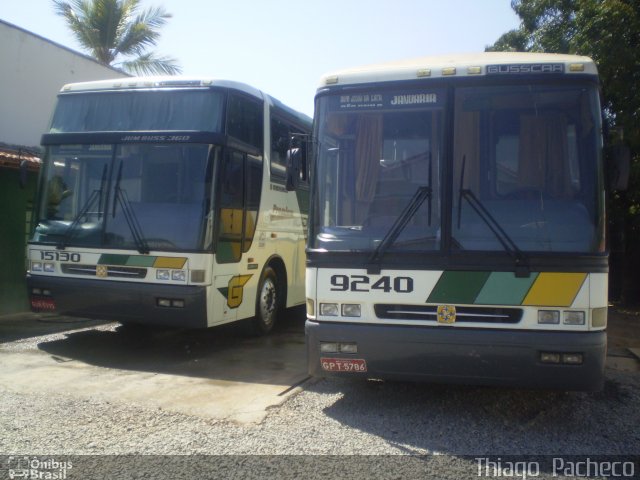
(336, 417)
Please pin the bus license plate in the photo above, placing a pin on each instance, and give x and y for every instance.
(343, 364)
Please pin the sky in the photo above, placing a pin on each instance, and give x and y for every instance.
(283, 47)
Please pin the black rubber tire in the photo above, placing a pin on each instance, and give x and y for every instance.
(268, 303)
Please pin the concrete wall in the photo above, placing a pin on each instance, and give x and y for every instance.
(32, 71)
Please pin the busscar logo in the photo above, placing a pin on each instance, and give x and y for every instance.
(525, 68)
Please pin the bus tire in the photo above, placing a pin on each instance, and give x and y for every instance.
(268, 302)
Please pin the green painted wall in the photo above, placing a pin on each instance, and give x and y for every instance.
(14, 203)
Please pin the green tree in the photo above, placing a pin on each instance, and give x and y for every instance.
(609, 32)
(119, 33)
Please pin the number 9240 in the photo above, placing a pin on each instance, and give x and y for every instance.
(362, 283)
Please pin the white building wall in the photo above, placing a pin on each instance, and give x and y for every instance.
(32, 71)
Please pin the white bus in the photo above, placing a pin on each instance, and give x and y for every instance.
(170, 202)
(457, 227)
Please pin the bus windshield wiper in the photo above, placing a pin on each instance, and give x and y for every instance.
(96, 194)
(129, 215)
(421, 194)
(521, 261)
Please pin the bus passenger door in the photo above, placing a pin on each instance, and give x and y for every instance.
(238, 194)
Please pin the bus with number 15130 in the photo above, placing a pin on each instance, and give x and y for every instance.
(170, 201)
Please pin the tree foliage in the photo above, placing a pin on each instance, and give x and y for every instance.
(608, 31)
(119, 33)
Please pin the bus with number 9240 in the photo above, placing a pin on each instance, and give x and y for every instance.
(457, 222)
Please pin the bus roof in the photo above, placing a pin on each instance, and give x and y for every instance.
(160, 82)
(462, 65)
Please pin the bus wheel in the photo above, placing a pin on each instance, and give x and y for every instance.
(268, 302)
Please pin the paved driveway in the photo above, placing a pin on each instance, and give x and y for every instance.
(217, 373)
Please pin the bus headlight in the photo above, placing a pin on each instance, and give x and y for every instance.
(573, 318)
(163, 275)
(178, 275)
(351, 310)
(550, 317)
(36, 266)
(329, 309)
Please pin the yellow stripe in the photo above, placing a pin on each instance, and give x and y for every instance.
(169, 262)
(555, 289)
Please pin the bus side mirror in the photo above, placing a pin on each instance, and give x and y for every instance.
(24, 174)
(297, 166)
(618, 167)
(294, 162)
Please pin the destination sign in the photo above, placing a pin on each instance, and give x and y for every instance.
(387, 100)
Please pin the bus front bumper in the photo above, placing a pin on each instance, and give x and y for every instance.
(459, 355)
(125, 302)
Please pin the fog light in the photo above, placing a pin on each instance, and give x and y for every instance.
(163, 275)
(197, 276)
(329, 309)
(573, 318)
(549, 357)
(348, 347)
(163, 302)
(572, 358)
(548, 316)
(328, 347)
(178, 275)
(599, 317)
(36, 266)
(350, 310)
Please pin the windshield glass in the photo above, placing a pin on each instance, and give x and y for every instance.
(528, 155)
(169, 110)
(165, 188)
(376, 150)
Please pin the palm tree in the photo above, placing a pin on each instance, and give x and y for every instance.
(112, 29)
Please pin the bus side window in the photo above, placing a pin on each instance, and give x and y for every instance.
(231, 221)
(253, 190)
(245, 120)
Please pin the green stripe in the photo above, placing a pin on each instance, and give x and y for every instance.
(140, 261)
(113, 259)
(458, 287)
(126, 260)
(504, 288)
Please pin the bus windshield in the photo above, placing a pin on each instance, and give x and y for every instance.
(525, 169)
(126, 196)
(376, 151)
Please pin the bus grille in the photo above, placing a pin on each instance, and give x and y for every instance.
(117, 272)
(463, 314)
